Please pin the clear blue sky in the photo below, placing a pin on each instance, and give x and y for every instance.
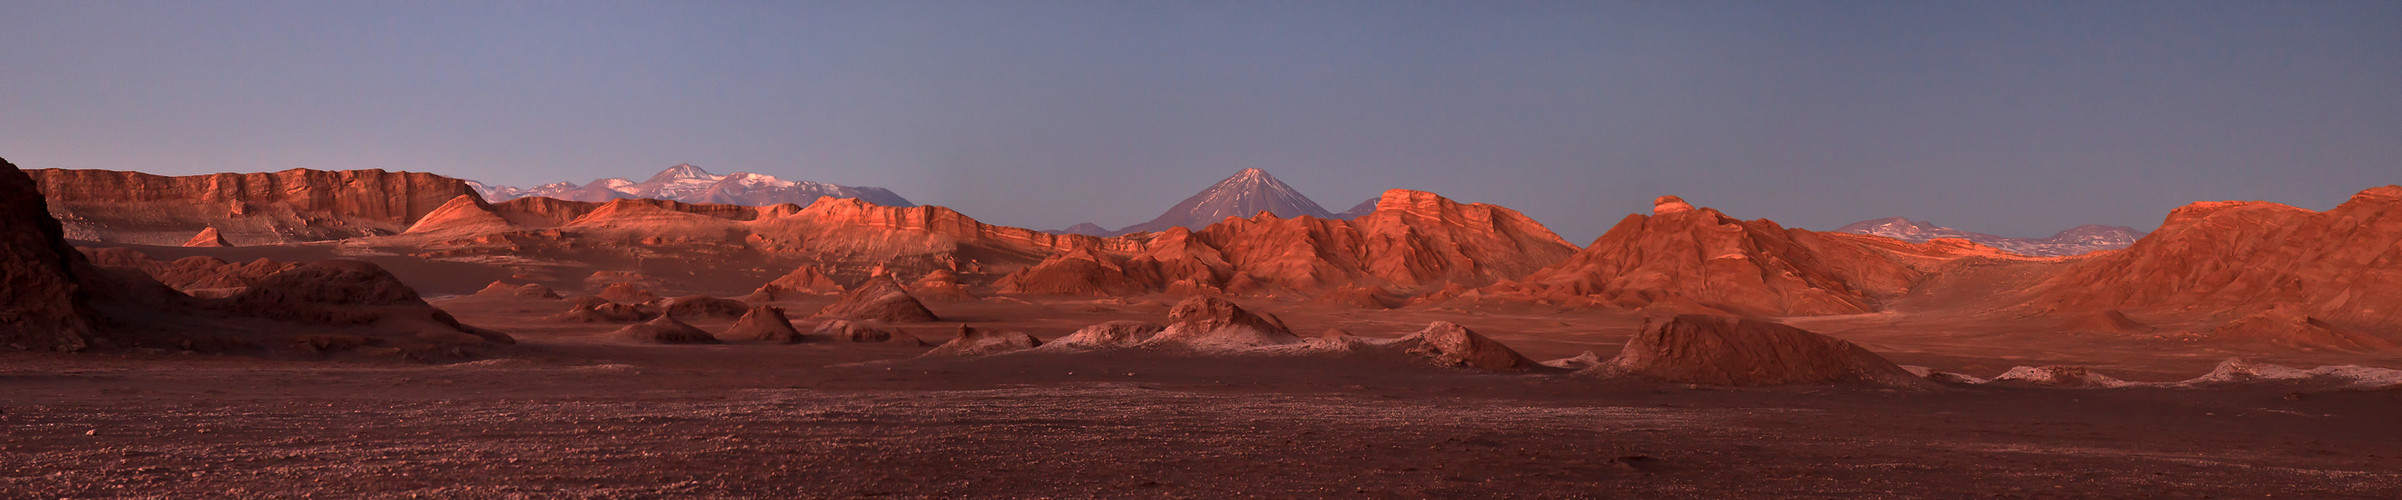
(2017, 118)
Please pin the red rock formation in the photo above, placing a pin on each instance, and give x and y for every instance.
(1450, 344)
(1111, 334)
(804, 280)
(1214, 324)
(765, 323)
(664, 330)
(941, 285)
(974, 341)
(292, 205)
(1719, 350)
(207, 238)
(1686, 258)
(627, 293)
(464, 214)
(2226, 260)
(879, 299)
(703, 306)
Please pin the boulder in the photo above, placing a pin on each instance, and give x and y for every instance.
(1450, 344)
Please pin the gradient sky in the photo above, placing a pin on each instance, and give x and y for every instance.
(2016, 118)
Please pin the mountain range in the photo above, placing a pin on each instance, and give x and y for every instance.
(2078, 240)
(690, 184)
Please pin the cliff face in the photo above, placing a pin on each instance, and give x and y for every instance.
(280, 207)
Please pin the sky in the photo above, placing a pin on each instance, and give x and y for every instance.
(2016, 118)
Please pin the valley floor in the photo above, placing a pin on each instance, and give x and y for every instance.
(571, 418)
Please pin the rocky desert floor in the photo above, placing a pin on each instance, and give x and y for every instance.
(569, 413)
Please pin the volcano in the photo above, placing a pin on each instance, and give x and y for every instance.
(1248, 192)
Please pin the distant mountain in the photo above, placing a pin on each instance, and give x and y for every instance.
(1361, 210)
(691, 184)
(1247, 193)
(2075, 241)
(1087, 229)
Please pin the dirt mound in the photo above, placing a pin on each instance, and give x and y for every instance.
(1077, 272)
(2287, 326)
(1215, 324)
(627, 293)
(2110, 321)
(537, 291)
(589, 309)
(854, 331)
(1685, 259)
(346, 292)
(802, 281)
(2238, 372)
(207, 238)
(703, 306)
(764, 323)
(879, 299)
(1450, 344)
(664, 330)
(40, 307)
(1581, 361)
(2059, 376)
(1114, 334)
(1720, 350)
(974, 341)
(941, 286)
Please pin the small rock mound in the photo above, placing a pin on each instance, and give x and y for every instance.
(589, 309)
(879, 299)
(1215, 324)
(1450, 344)
(1114, 334)
(942, 285)
(627, 293)
(208, 237)
(802, 281)
(348, 292)
(1728, 351)
(765, 323)
(2235, 372)
(974, 341)
(2059, 376)
(1581, 361)
(703, 306)
(2110, 321)
(537, 291)
(853, 331)
(665, 330)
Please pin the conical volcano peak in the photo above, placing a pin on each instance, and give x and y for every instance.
(682, 171)
(1246, 193)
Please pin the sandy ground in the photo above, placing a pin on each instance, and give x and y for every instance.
(570, 414)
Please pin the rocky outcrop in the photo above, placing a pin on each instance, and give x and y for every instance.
(42, 305)
(2224, 261)
(765, 323)
(703, 306)
(627, 293)
(1109, 335)
(1727, 351)
(462, 215)
(802, 281)
(974, 341)
(1449, 344)
(854, 331)
(1685, 259)
(207, 238)
(1215, 324)
(287, 206)
(879, 299)
(347, 292)
(664, 330)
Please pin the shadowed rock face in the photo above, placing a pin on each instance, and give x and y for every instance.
(879, 299)
(40, 305)
(207, 238)
(1719, 350)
